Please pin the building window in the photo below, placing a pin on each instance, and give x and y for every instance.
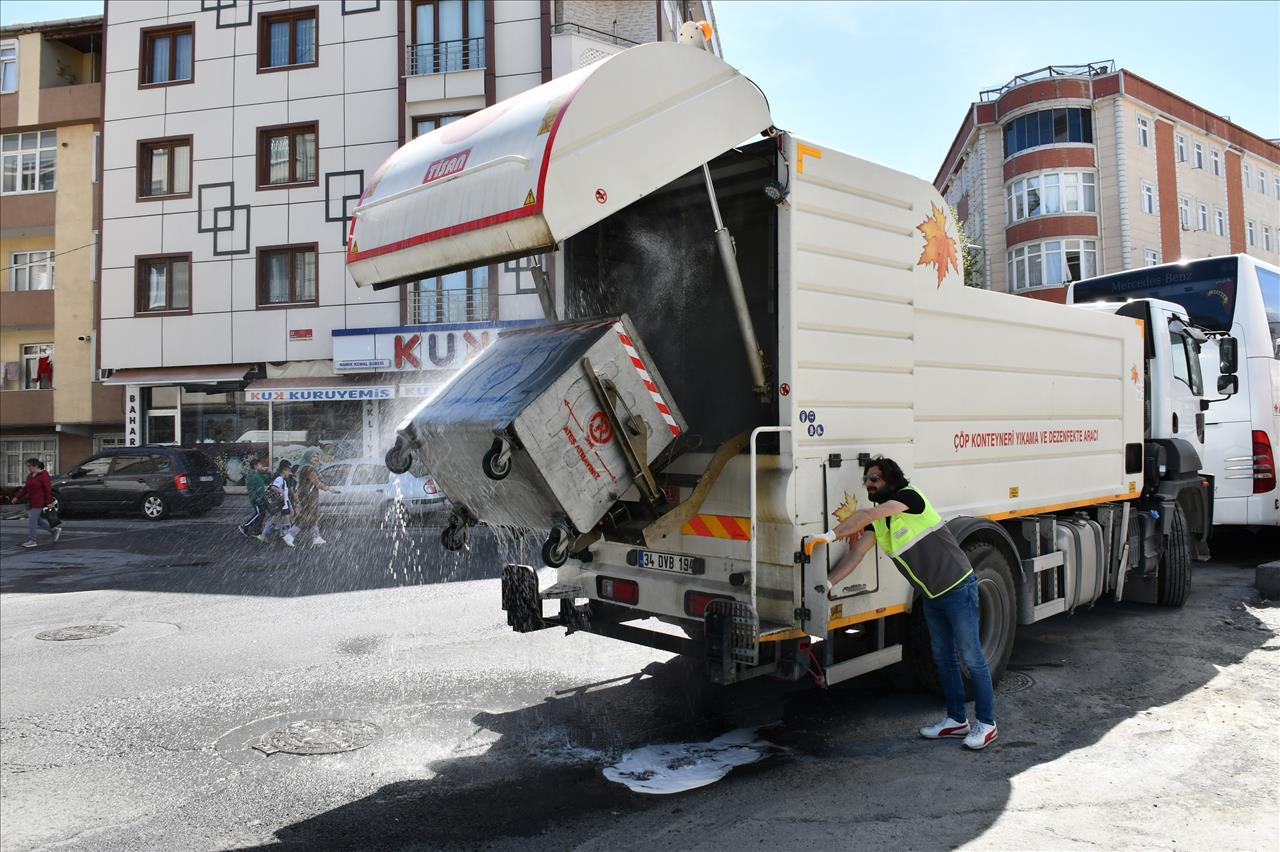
(1184, 212)
(37, 366)
(14, 453)
(1250, 232)
(167, 56)
(1144, 132)
(1219, 223)
(448, 35)
(9, 66)
(287, 39)
(1244, 173)
(163, 284)
(31, 270)
(428, 123)
(29, 161)
(287, 156)
(164, 168)
(1151, 257)
(1197, 160)
(1262, 181)
(1180, 147)
(456, 297)
(1052, 192)
(1148, 199)
(1276, 181)
(1048, 127)
(287, 275)
(1051, 263)
(1202, 218)
(1266, 237)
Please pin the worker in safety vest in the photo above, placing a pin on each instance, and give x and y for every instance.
(910, 530)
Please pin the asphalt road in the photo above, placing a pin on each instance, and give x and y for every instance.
(1123, 726)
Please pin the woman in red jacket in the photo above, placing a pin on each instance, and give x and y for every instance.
(38, 492)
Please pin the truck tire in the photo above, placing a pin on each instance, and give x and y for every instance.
(997, 619)
(1174, 582)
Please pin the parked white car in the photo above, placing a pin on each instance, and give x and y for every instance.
(366, 488)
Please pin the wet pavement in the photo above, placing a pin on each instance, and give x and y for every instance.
(367, 694)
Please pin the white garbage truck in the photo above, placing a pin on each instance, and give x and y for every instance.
(735, 330)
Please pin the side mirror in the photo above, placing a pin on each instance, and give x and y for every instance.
(1228, 385)
(1228, 357)
(75, 473)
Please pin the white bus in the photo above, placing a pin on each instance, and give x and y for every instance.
(1240, 295)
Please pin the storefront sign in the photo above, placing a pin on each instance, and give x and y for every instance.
(445, 347)
(299, 334)
(418, 391)
(362, 364)
(319, 394)
(132, 416)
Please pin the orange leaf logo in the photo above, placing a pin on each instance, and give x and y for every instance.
(939, 247)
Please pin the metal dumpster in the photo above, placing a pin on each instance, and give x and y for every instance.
(547, 429)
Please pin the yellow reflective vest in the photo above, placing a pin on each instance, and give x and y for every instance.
(923, 548)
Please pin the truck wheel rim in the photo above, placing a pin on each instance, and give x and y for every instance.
(993, 614)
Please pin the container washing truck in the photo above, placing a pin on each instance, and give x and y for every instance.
(734, 330)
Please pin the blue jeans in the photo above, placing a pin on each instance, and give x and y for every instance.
(953, 628)
(35, 518)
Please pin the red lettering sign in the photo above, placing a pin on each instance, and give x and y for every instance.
(446, 166)
(407, 352)
(299, 334)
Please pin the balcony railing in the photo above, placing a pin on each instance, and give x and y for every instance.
(427, 306)
(1093, 69)
(588, 32)
(440, 56)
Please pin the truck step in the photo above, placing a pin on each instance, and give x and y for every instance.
(562, 591)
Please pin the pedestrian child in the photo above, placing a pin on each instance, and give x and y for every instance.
(282, 507)
(256, 484)
(38, 493)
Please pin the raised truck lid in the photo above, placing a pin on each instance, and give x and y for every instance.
(518, 177)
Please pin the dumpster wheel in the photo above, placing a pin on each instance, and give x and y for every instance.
(453, 537)
(497, 460)
(555, 550)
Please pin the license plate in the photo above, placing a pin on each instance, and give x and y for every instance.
(206, 479)
(667, 562)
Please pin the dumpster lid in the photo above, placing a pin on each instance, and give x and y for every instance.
(518, 177)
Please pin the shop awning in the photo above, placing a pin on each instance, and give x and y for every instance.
(202, 375)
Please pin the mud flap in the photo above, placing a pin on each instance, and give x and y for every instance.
(520, 599)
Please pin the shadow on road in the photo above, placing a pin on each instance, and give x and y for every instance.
(852, 753)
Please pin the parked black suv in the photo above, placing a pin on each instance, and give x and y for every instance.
(152, 480)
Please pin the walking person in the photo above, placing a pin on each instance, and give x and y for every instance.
(38, 493)
(909, 529)
(306, 497)
(256, 484)
(282, 507)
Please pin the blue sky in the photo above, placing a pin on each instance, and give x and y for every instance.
(891, 81)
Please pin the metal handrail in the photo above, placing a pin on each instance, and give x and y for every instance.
(1092, 69)
(759, 430)
(435, 57)
(590, 32)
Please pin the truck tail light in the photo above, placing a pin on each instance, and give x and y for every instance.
(622, 591)
(1264, 463)
(181, 482)
(695, 603)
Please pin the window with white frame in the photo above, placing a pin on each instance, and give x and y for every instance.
(28, 161)
(1180, 147)
(1250, 232)
(14, 453)
(1051, 263)
(1151, 257)
(107, 442)
(37, 366)
(1215, 160)
(31, 270)
(9, 65)
(1051, 192)
(1184, 212)
(1276, 181)
(1202, 218)
(1266, 237)
(1219, 223)
(1144, 132)
(1148, 198)
(1262, 181)
(1244, 174)
(1197, 159)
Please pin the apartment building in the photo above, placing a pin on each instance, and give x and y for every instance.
(1072, 171)
(238, 136)
(51, 404)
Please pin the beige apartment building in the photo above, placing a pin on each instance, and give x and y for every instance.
(1073, 171)
(52, 405)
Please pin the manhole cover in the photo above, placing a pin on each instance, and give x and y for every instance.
(319, 736)
(80, 631)
(1014, 682)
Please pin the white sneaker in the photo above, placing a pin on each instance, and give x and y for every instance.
(30, 543)
(288, 540)
(57, 534)
(318, 540)
(981, 736)
(948, 727)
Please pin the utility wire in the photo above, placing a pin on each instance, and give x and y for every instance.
(51, 257)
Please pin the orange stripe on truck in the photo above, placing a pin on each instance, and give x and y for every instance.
(718, 526)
